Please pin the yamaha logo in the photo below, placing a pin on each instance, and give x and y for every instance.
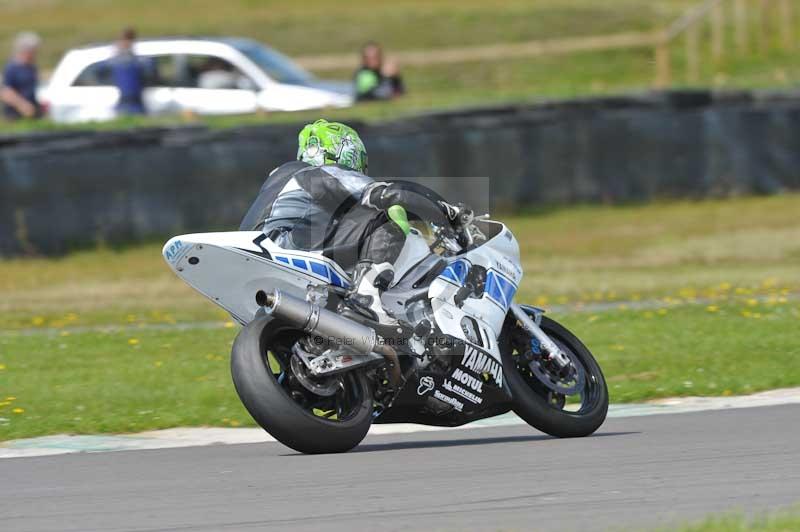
(480, 362)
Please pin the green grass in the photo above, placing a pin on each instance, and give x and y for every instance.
(723, 275)
(781, 521)
(684, 250)
(312, 28)
(317, 27)
(693, 349)
(134, 380)
(116, 382)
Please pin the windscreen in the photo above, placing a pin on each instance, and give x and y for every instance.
(276, 65)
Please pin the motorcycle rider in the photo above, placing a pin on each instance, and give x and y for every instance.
(325, 201)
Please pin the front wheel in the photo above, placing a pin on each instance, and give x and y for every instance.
(563, 402)
(309, 415)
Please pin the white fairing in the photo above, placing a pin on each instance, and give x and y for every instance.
(230, 268)
(500, 257)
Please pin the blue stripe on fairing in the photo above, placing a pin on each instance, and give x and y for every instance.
(456, 272)
(499, 289)
(461, 269)
(493, 289)
(336, 280)
(508, 291)
(449, 274)
(320, 269)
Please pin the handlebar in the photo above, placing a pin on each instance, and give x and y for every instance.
(462, 233)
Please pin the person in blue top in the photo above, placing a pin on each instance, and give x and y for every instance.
(128, 73)
(21, 78)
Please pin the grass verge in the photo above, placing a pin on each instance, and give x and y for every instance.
(134, 380)
(782, 521)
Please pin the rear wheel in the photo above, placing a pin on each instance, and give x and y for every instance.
(567, 403)
(309, 415)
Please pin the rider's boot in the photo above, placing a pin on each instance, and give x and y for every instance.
(369, 281)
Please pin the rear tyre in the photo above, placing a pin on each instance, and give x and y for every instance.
(264, 379)
(558, 414)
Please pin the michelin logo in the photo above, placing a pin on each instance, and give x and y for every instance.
(480, 362)
(459, 390)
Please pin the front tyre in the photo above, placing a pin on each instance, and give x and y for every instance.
(568, 403)
(270, 389)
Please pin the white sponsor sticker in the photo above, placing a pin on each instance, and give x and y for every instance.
(480, 362)
(468, 380)
(461, 391)
(426, 384)
(452, 401)
(173, 252)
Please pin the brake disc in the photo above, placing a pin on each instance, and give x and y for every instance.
(567, 381)
(324, 387)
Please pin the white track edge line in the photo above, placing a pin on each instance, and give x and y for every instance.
(200, 436)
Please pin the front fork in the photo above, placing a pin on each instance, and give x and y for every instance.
(549, 346)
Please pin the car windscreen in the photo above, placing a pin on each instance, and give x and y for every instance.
(276, 65)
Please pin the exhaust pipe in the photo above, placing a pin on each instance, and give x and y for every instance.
(316, 320)
(331, 326)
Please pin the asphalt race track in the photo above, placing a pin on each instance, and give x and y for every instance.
(636, 472)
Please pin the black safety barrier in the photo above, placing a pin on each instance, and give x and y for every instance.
(65, 189)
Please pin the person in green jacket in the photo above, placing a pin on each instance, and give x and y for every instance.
(377, 79)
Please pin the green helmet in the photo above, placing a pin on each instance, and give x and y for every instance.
(326, 142)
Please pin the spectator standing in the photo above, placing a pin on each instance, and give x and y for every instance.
(377, 79)
(21, 78)
(129, 75)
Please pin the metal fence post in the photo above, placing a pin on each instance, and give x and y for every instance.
(786, 22)
(717, 31)
(663, 63)
(740, 18)
(693, 53)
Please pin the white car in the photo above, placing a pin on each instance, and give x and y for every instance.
(202, 76)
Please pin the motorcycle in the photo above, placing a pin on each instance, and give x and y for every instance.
(316, 374)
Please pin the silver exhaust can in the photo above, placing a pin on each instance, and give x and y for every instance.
(313, 319)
